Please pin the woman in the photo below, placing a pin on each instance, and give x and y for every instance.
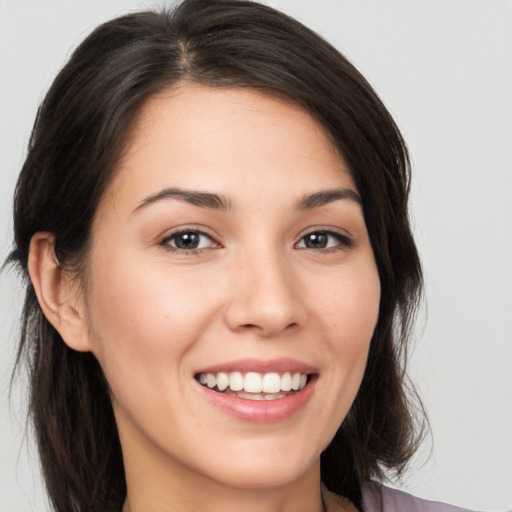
(213, 218)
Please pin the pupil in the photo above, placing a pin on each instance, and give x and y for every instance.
(317, 241)
(187, 241)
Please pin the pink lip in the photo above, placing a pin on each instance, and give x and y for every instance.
(260, 366)
(261, 411)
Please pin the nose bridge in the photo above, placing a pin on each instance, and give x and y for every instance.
(264, 294)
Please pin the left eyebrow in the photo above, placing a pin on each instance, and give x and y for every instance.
(324, 197)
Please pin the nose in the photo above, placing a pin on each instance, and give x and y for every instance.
(265, 296)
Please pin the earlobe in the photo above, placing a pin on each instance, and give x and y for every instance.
(56, 294)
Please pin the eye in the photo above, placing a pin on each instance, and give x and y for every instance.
(324, 240)
(188, 240)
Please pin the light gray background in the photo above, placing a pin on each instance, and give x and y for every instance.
(444, 69)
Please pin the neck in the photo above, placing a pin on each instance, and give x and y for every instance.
(208, 496)
(214, 497)
(164, 488)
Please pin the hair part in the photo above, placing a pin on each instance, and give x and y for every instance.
(79, 135)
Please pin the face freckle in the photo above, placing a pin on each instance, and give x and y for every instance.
(231, 240)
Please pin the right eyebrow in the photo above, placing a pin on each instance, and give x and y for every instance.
(195, 197)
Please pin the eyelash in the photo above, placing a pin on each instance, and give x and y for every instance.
(343, 241)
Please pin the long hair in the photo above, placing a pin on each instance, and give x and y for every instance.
(79, 135)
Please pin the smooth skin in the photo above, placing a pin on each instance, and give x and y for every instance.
(176, 281)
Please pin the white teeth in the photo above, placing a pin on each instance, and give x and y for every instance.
(271, 383)
(236, 381)
(250, 396)
(252, 382)
(222, 381)
(211, 380)
(265, 385)
(286, 382)
(274, 396)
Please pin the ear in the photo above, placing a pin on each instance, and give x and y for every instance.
(57, 294)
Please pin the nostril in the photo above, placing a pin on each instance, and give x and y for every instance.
(267, 330)
(262, 313)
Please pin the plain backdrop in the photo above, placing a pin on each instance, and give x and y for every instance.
(444, 69)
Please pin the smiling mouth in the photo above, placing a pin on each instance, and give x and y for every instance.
(255, 386)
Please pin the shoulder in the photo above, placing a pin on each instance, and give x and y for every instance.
(379, 498)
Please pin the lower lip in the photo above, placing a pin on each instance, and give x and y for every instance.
(260, 411)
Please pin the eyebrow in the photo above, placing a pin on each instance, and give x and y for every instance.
(324, 197)
(220, 202)
(197, 198)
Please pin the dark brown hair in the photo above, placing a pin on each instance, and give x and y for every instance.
(77, 139)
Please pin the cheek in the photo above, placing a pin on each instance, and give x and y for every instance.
(349, 314)
(351, 308)
(144, 322)
(348, 311)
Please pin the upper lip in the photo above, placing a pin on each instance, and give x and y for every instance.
(280, 365)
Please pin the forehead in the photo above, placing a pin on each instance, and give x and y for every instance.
(228, 141)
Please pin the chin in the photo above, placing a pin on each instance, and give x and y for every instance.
(264, 465)
(263, 476)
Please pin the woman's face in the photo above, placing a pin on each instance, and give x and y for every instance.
(230, 250)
